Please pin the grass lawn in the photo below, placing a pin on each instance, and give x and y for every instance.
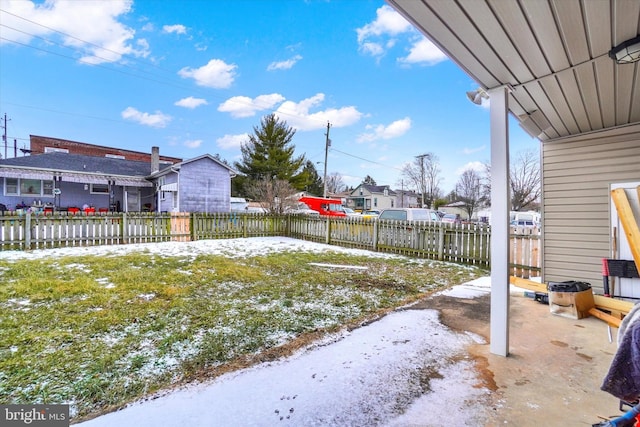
(99, 331)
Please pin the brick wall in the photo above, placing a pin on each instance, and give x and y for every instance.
(38, 144)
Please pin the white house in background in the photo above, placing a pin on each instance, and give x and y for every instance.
(366, 197)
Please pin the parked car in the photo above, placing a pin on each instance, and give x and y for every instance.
(409, 214)
(370, 214)
(451, 219)
(350, 212)
(303, 209)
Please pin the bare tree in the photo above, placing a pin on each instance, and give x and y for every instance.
(524, 177)
(525, 180)
(424, 174)
(469, 189)
(272, 193)
(335, 184)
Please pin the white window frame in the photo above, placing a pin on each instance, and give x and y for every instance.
(43, 184)
(93, 190)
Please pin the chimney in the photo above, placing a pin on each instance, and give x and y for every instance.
(155, 159)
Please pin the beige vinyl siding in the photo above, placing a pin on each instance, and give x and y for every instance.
(577, 174)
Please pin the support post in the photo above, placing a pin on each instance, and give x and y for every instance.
(500, 207)
(27, 231)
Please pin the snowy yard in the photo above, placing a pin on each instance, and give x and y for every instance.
(99, 327)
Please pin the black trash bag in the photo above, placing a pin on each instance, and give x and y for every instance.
(568, 286)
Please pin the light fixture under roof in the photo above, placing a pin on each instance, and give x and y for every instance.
(476, 96)
(626, 52)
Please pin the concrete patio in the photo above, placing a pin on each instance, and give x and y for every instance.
(556, 365)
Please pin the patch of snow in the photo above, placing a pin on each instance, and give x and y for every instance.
(352, 267)
(396, 371)
(473, 289)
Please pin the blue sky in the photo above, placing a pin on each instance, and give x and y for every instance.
(195, 77)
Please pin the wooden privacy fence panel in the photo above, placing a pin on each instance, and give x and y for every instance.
(524, 256)
(304, 227)
(180, 227)
(68, 230)
(236, 225)
(12, 232)
(352, 233)
(145, 227)
(460, 243)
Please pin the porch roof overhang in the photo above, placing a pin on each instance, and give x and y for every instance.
(68, 176)
(552, 55)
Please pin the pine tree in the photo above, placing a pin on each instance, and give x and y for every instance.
(269, 154)
(314, 184)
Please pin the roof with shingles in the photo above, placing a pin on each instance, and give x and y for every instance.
(376, 189)
(65, 162)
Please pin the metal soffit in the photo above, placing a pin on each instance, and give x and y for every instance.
(553, 55)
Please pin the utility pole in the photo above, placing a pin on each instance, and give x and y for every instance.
(326, 153)
(422, 186)
(4, 135)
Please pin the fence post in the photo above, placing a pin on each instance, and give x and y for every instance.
(287, 227)
(27, 231)
(375, 235)
(245, 220)
(125, 228)
(327, 239)
(440, 242)
(192, 226)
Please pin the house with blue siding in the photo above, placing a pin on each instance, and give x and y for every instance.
(201, 184)
(63, 181)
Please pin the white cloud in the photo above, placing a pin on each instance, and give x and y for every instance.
(177, 29)
(377, 37)
(298, 115)
(191, 102)
(284, 65)
(394, 130)
(424, 52)
(216, 74)
(193, 143)
(148, 27)
(232, 141)
(92, 26)
(243, 106)
(157, 120)
(388, 22)
(373, 49)
(476, 166)
(473, 150)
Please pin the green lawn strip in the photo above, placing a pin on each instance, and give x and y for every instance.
(97, 332)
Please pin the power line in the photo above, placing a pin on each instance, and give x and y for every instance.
(135, 69)
(366, 160)
(196, 90)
